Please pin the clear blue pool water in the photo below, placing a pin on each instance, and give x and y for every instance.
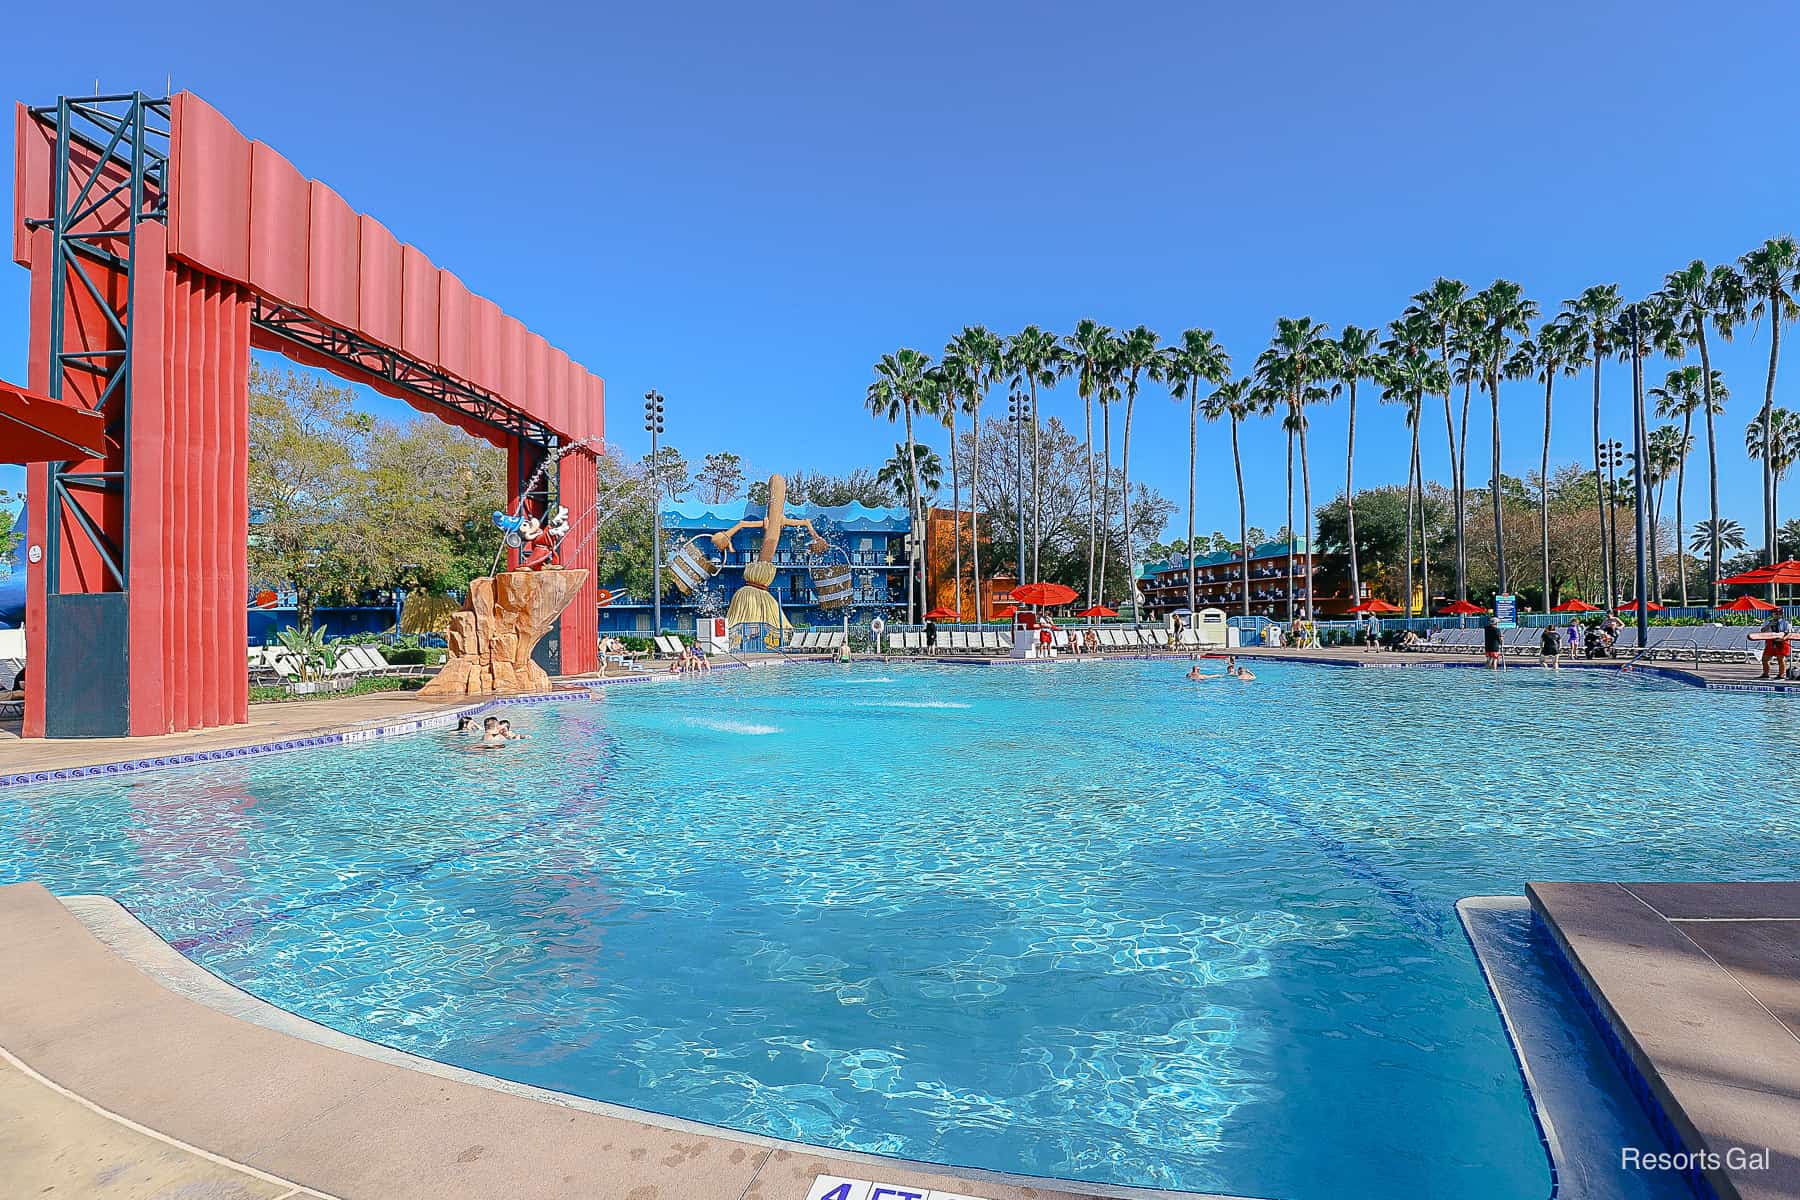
(1082, 921)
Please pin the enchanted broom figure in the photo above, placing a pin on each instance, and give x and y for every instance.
(754, 604)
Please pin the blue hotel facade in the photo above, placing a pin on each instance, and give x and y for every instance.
(871, 540)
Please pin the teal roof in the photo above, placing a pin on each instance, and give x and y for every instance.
(1265, 550)
(851, 518)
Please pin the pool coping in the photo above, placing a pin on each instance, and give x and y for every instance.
(103, 1009)
(1688, 1031)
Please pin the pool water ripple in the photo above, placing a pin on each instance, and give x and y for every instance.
(1090, 922)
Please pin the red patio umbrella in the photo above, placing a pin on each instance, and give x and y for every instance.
(1098, 610)
(1575, 606)
(1002, 614)
(1460, 608)
(1782, 572)
(1748, 604)
(1376, 605)
(940, 614)
(1044, 595)
(1631, 606)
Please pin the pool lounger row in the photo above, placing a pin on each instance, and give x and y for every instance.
(815, 641)
(1691, 643)
(1113, 639)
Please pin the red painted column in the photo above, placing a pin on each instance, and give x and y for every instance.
(149, 684)
(575, 489)
(37, 491)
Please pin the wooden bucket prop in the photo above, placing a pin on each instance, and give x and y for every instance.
(831, 581)
(691, 567)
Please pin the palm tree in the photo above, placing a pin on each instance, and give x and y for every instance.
(1295, 360)
(1440, 308)
(1726, 534)
(1138, 358)
(1669, 447)
(1110, 378)
(902, 384)
(1779, 430)
(1353, 358)
(950, 381)
(1235, 400)
(1697, 297)
(1497, 313)
(1408, 375)
(1199, 359)
(902, 473)
(1034, 358)
(1771, 279)
(1643, 327)
(1559, 349)
(1685, 391)
(1594, 309)
(1088, 349)
(981, 352)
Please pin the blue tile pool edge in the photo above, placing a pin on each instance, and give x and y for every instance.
(435, 720)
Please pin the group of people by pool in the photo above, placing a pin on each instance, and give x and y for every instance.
(691, 658)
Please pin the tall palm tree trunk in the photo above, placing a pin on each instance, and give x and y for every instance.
(1768, 428)
(1606, 565)
(975, 508)
(1307, 512)
(920, 540)
(1412, 475)
(1455, 475)
(1237, 464)
(956, 505)
(1656, 588)
(1105, 491)
(1193, 454)
(1462, 497)
(1687, 439)
(1544, 490)
(1125, 502)
(1290, 522)
(1349, 499)
(1418, 469)
(1093, 496)
(1037, 507)
(1494, 486)
(1712, 467)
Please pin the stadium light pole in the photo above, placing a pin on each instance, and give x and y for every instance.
(1641, 444)
(1018, 412)
(1612, 454)
(653, 425)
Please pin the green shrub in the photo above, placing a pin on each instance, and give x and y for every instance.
(407, 656)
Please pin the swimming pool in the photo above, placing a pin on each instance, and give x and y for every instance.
(1086, 921)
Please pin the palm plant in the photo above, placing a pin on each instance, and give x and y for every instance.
(950, 380)
(1088, 350)
(902, 384)
(1684, 391)
(1198, 360)
(1234, 400)
(1725, 533)
(1774, 439)
(1696, 298)
(1643, 327)
(1353, 358)
(981, 352)
(917, 475)
(1498, 312)
(1669, 447)
(1441, 308)
(1034, 358)
(1408, 375)
(1594, 310)
(1292, 365)
(1558, 350)
(1138, 358)
(1771, 280)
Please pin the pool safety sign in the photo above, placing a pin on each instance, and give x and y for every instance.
(1506, 610)
(836, 1187)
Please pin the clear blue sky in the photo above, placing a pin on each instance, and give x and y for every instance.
(745, 205)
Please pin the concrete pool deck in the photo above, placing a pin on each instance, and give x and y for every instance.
(127, 1031)
(1696, 988)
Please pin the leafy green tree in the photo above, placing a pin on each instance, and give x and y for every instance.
(432, 490)
(1774, 440)
(1771, 275)
(903, 472)
(309, 497)
(1354, 357)
(722, 478)
(672, 472)
(1498, 313)
(1138, 359)
(1089, 352)
(1236, 401)
(981, 359)
(1298, 357)
(1669, 447)
(1558, 349)
(902, 384)
(1198, 360)
(1442, 309)
(9, 515)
